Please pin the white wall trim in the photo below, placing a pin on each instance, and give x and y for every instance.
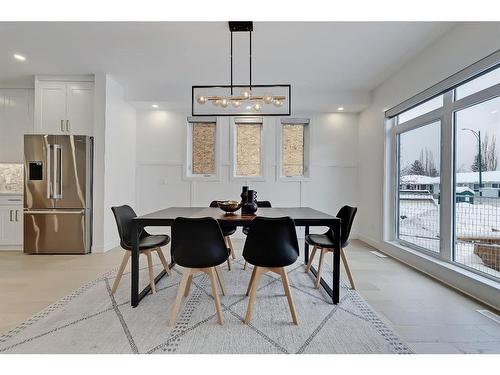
(480, 288)
(106, 247)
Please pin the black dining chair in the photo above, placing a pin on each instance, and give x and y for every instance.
(271, 245)
(198, 245)
(260, 204)
(227, 231)
(325, 242)
(147, 243)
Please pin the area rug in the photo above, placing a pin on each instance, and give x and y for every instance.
(92, 320)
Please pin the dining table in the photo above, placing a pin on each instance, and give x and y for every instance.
(302, 216)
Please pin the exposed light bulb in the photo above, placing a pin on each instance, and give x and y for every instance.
(277, 103)
(201, 99)
(245, 94)
(236, 103)
(257, 106)
(216, 102)
(249, 107)
(268, 99)
(224, 103)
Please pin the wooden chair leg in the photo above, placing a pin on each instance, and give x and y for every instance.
(151, 272)
(215, 294)
(220, 278)
(318, 276)
(188, 285)
(253, 291)
(249, 289)
(228, 264)
(119, 275)
(288, 293)
(230, 245)
(163, 261)
(178, 298)
(311, 258)
(346, 266)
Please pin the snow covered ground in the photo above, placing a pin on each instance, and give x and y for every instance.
(419, 224)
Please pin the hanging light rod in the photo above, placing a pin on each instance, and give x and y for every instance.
(266, 99)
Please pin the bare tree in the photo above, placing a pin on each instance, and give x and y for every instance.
(489, 160)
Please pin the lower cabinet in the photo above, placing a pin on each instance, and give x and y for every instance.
(11, 225)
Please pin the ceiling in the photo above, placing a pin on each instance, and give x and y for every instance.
(329, 64)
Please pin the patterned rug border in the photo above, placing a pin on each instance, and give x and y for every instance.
(56, 305)
(383, 328)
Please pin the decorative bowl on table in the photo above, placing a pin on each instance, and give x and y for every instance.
(229, 206)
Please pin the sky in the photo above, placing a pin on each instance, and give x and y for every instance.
(484, 117)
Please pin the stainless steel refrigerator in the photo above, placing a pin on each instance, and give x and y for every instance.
(57, 194)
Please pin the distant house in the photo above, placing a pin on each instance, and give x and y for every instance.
(491, 183)
(464, 194)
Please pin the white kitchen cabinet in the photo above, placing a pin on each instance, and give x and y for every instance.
(63, 107)
(11, 223)
(16, 119)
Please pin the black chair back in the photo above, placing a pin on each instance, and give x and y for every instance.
(123, 216)
(346, 214)
(271, 242)
(198, 243)
(264, 204)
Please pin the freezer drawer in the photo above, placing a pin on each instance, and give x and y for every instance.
(56, 231)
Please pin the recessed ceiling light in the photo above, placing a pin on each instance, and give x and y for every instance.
(340, 108)
(19, 57)
(155, 106)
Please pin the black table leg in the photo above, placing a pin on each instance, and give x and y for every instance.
(134, 291)
(306, 246)
(336, 266)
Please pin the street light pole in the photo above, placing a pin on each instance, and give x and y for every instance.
(477, 134)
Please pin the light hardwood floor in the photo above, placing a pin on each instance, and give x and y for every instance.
(430, 316)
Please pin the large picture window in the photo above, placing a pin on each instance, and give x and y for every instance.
(446, 170)
(418, 199)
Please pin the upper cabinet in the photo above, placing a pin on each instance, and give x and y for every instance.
(64, 107)
(16, 119)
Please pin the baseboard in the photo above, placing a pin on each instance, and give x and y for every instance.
(11, 247)
(480, 288)
(106, 247)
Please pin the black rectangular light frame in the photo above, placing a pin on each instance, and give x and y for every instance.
(287, 110)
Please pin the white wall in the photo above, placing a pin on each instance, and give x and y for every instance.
(161, 141)
(460, 47)
(115, 160)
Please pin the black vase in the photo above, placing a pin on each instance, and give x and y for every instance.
(244, 194)
(249, 207)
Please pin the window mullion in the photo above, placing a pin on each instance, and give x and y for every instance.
(447, 182)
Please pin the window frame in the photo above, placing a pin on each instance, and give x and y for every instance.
(307, 149)
(445, 114)
(188, 161)
(233, 122)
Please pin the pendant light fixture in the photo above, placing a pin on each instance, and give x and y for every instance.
(237, 100)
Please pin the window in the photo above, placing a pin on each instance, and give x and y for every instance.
(482, 82)
(459, 220)
(247, 148)
(418, 208)
(421, 109)
(293, 148)
(477, 220)
(202, 148)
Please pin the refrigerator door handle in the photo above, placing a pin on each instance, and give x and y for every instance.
(57, 171)
(50, 194)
